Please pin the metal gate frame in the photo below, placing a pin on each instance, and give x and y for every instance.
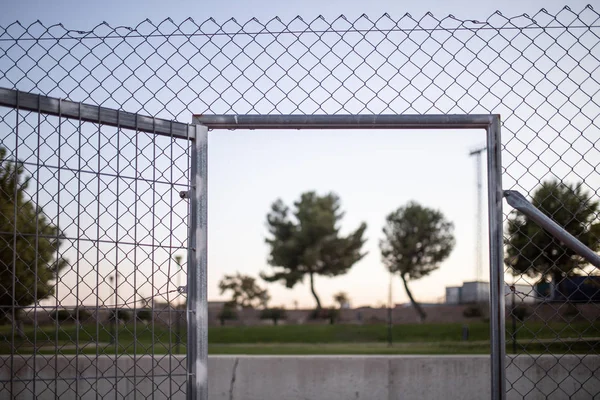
(491, 124)
(196, 309)
(197, 133)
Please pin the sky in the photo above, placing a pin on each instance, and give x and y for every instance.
(373, 172)
(83, 14)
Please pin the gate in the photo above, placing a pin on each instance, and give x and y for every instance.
(540, 72)
(97, 207)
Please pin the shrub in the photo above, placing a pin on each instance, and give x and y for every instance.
(473, 311)
(571, 311)
(81, 314)
(124, 315)
(227, 313)
(331, 314)
(121, 315)
(274, 314)
(144, 315)
(520, 312)
(61, 315)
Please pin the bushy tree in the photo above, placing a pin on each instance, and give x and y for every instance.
(23, 257)
(416, 240)
(341, 298)
(308, 242)
(244, 290)
(532, 251)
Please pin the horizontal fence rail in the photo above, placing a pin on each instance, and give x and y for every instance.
(91, 113)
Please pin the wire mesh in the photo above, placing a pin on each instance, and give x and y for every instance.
(94, 238)
(540, 72)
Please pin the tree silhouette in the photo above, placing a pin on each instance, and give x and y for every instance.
(341, 298)
(28, 243)
(416, 240)
(245, 292)
(310, 243)
(532, 251)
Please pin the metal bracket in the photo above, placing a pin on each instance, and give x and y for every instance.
(182, 289)
(184, 194)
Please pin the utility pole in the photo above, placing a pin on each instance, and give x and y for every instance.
(479, 217)
(178, 259)
(115, 323)
(390, 310)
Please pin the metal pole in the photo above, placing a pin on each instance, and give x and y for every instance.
(178, 313)
(390, 325)
(116, 298)
(114, 316)
(197, 314)
(497, 309)
(95, 114)
(479, 215)
(380, 121)
(514, 323)
(479, 218)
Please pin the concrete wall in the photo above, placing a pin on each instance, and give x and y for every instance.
(305, 377)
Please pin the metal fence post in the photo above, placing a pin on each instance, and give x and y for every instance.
(197, 334)
(497, 333)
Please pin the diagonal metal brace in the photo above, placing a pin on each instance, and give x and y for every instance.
(519, 202)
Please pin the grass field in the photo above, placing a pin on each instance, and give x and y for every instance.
(578, 337)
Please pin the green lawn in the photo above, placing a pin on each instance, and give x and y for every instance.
(578, 337)
(448, 332)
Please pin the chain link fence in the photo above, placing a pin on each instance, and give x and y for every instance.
(93, 253)
(109, 196)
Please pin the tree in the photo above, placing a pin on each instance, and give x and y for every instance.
(534, 252)
(33, 251)
(310, 243)
(416, 240)
(245, 292)
(341, 298)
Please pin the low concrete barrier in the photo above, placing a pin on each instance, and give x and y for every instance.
(300, 377)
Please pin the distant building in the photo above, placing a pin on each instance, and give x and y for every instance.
(453, 294)
(576, 289)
